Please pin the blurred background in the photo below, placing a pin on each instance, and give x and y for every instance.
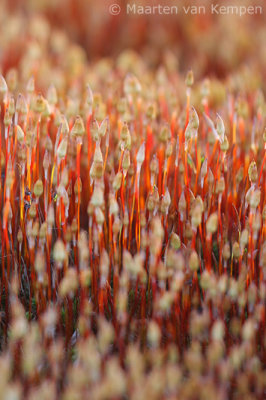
(213, 45)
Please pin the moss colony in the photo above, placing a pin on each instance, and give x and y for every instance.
(133, 224)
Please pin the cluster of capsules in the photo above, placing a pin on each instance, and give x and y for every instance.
(133, 225)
